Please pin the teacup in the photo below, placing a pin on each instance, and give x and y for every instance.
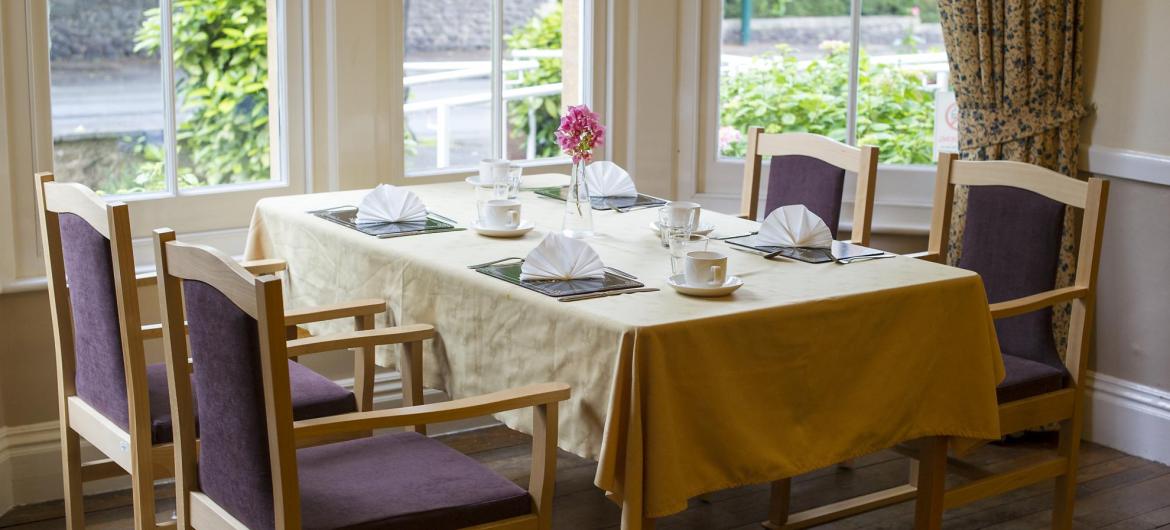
(500, 214)
(705, 268)
(493, 170)
(682, 213)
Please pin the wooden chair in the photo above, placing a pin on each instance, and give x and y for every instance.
(1012, 238)
(809, 169)
(258, 468)
(108, 394)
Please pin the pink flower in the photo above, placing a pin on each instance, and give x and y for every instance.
(580, 131)
(728, 136)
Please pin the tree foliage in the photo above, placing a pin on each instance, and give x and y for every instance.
(221, 71)
(542, 32)
(782, 94)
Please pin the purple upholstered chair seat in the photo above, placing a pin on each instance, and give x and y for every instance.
(313, 396)
(1026, 378)
(402, 481)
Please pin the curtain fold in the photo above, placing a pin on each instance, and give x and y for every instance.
(1016, 68)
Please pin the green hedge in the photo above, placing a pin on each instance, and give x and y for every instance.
(803, 8)
(542, 32)
(221, 69)
(895, 112)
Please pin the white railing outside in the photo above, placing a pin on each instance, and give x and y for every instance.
(438, 71)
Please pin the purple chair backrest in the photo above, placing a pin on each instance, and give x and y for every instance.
(800, 179)
(234, 468)
(1012, 239)
(93, 304)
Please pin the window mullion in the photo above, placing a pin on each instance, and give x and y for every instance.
(854, 74)
(170, 115)
(497, 79)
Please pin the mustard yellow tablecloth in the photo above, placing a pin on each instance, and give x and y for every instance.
(804, 366)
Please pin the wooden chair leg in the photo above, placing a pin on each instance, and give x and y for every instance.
(780, 504)
(410, 366)
(71, 469)
(1066, 485)
(932, 473)
(142, 491)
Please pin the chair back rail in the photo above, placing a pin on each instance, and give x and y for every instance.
(860, 160)
(260, 299)
(1090, 196)
(112, 221)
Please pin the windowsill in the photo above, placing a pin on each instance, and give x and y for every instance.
(201, 191)
(455, 172)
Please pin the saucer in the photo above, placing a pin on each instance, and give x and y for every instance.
(474, 181)
(524, 228)
(728, 287)
(704, 228)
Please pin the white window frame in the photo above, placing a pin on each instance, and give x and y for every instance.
(904, 192)
(585, 61)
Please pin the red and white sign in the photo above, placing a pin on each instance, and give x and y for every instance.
(946, 122)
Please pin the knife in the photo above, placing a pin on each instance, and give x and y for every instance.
(602, 294)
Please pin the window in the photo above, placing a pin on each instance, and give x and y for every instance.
(466, 99)
(161, 96)
(800, 67)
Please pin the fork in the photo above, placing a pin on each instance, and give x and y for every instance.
(501, 260)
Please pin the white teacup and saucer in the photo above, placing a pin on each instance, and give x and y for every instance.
(705, 274)
(501, 218)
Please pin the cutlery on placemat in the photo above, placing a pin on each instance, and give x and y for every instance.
(621, 273)
(847, 261)
(734, 237)
(417, 232)
(603, 294)
(501, 260)
(442, 217)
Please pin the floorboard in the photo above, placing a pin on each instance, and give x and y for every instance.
(1115, 492)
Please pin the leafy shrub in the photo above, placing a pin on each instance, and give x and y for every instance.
(542, 32)
(820, 8)
(775, 91)
(221, 70)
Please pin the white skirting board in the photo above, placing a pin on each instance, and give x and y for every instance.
(1129, 417)
(30, 455)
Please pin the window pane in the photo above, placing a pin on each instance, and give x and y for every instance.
(107, 97)
(447, 82)
(903, 65)
(221, 83)
(534, 81)
(788, 73)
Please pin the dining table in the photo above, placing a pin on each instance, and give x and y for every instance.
(674, 396)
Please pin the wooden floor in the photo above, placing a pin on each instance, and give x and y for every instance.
(1116, 491)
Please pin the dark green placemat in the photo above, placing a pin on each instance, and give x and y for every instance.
(347, 216)
(557, 288)
(841, 250)
(604, 203)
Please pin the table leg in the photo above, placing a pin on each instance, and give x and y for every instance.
(932, 474)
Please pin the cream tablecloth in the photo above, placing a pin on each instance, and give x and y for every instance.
(804, 366)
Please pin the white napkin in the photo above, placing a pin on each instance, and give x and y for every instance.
(562, 258)
(794, 226)
(607, 179)
(390, 204)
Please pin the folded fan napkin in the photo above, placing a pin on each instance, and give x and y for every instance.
(391, 204)
(562, 258)
(607, 179)
(794, 226)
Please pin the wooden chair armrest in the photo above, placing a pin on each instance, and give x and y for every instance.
(926, 256)
(353, 308)
(360, 339)
(1031, 303)
(472, 407)
(258, 267)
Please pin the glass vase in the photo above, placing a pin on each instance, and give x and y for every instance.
(578, 221)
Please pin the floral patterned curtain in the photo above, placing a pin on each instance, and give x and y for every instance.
(1016, 71)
